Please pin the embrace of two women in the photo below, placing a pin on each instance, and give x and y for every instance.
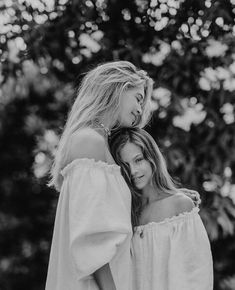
(121, 221)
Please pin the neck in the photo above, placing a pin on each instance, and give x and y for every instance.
(150, 194)
(103, 128)
(106, 129)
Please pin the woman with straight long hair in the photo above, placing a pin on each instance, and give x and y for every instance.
(170, 246)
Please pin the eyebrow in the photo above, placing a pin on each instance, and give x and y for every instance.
(134, 157)
(138, 155)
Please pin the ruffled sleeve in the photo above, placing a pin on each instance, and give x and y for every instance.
(99, 213)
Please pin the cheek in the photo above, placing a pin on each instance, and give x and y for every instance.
(124, 108)
(130, 104)
(122, 115)
(143, 167)
(149, 169)
(134, 104)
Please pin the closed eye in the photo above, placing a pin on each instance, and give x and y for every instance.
(140, 99)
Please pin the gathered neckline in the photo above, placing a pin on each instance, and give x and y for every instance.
(170, 219)
(90, 161)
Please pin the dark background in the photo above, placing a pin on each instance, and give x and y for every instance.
(187, 47)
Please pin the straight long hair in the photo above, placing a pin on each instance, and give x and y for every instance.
(161, 179)
(98, 99)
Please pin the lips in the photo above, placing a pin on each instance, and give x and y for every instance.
(135, 118)
(137, 179)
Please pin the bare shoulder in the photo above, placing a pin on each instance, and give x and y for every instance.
(182, 203)
(86, 143)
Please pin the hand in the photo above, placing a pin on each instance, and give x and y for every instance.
(194, 195)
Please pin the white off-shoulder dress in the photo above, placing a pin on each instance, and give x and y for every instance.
(174, 254)
(92, 227)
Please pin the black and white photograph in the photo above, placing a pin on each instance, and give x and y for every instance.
(117, 144)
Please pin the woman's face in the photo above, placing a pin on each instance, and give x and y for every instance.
(131, 106)
(140, 168)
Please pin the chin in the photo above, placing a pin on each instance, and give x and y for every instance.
(127, 125)
(140, 186)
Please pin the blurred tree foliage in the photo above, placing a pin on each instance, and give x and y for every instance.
(188, 48)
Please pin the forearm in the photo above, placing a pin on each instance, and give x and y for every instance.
(104, 278)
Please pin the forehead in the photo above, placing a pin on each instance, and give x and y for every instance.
(137, 90)
(129, 151)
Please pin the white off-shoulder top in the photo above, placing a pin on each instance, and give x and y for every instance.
(174, 254)
(92, 227)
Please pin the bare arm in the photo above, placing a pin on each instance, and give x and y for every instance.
(104, 278)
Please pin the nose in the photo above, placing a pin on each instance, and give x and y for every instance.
(139, 110)
(133, 170)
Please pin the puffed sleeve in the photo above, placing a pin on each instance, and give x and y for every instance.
(99, 213)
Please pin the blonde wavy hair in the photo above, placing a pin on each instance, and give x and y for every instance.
(98, 99)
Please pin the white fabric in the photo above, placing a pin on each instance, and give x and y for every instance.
(92, 227)
(174, 254)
